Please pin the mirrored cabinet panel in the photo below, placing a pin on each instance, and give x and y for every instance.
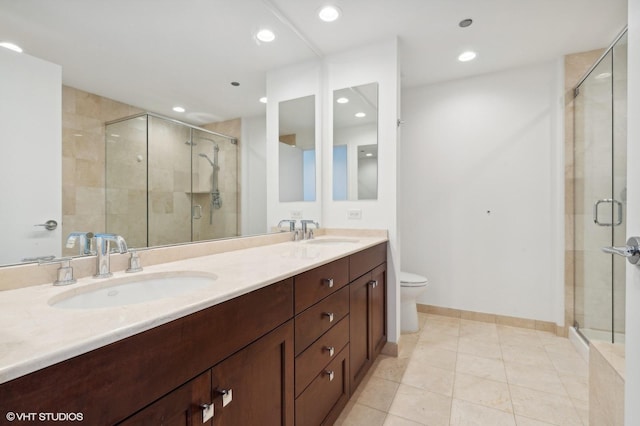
(355, 143)
(297, 149)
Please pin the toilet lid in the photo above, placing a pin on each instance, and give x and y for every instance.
(408, 279)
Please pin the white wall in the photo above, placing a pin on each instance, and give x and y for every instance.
(374, 63)
(253, 189)
(290, 173)
(632, 346)
(482, 178)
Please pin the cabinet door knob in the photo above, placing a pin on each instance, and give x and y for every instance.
(373, 283)
(329, 315)
(227, 395)
(328, 281)
(328, 373)
(330, 349)
(207, 412)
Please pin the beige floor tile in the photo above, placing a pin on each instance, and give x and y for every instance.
(439, 340)
(477, 390)
(407, 344)
(577, 387)
(361, 415)
(390, 368)
(477, 347)
(535, 378)
(392, 420)
(531, 356)
(582, 407)
(518, 336)
(482, 367)
(555, 409)
(441, 328)
(442, 318)
(464, 413)
(525, 421)
(569, 365)
(427, 377)
(479, 330)
(378, 393)
(421, 406)
(435, 356)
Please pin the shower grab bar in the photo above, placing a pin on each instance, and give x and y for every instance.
(607, 200)
(631, 251)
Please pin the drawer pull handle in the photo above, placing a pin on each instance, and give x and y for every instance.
(330, 349)
(328, 373)
(227, 395)
(328, 281)
(329, 315)
(373, 283)
(207, 412)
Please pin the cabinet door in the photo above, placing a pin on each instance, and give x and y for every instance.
(258, 381)
(378, 306)
(359, 334)
(182, 407)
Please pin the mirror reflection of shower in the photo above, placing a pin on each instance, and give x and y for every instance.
(215, 198)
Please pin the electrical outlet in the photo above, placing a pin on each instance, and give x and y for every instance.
(296, 214)
(354, 214)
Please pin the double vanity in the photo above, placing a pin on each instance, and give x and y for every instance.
(274, 334)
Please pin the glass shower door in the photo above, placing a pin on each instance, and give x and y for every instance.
(600, 198)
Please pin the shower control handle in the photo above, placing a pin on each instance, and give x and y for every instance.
(631, 251)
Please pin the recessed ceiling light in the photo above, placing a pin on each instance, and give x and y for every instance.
(465, 23)
(329, 13)
(467, 56)
(368, 154)
(360, 114)
(603, 75)
(11, 46)
(178, 109)
(114, 135)
(342, 100)
(263, 99)
(266, 35)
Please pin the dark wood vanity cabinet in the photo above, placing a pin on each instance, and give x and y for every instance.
(368, 310)
(290, 353)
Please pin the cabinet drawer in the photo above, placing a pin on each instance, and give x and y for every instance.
(317, 356)
(316, 320)
(362, 262)
(318, 283)
(326, 395)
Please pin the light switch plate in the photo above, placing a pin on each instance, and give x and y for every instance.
(354, 214)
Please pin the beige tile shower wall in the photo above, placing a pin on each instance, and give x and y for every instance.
(83, 154)
(575, 66)
(226, 221)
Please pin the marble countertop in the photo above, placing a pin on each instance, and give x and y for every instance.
(34, 334)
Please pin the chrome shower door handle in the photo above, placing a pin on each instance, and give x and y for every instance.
(607, 200)
(631, 251)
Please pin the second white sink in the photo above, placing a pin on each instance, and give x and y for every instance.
(132, 289)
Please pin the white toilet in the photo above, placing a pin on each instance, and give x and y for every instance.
(411, 286)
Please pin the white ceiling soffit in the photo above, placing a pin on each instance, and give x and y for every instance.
(155, 54)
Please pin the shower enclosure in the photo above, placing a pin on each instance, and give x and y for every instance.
(168, 182)
(600, 169)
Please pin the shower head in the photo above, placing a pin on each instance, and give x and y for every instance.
(207, 157)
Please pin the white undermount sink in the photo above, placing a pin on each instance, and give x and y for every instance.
(132, 289)
(332, 240)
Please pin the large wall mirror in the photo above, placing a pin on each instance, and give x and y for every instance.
(355, 143)
(297, 149)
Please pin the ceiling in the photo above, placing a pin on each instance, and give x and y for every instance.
(155, 54)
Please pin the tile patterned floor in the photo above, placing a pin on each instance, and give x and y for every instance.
(459, 372)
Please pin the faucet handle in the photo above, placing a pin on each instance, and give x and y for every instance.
(65, 271)
(134, 262)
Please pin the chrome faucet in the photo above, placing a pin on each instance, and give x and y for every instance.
(83, 239)
(307, 234)
(103, 249)
(291, 222)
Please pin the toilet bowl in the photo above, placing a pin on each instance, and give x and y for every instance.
(411, 286)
